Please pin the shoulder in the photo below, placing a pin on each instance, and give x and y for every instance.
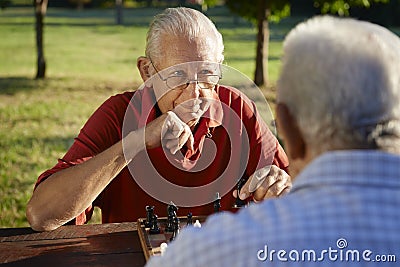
(118, 99)
(117, 104)
(229, 93)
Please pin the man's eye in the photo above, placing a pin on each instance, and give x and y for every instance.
(205, 72)
(178, 73)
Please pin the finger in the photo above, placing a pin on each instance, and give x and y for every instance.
(244, 191)
(171, 144)
(234, 193)
(275, 189)
(284, 189)
(190, 142)
(173, 126)
(270, 189)
(185, 137)
(259, 176)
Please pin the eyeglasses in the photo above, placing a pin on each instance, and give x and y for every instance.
(179, 80)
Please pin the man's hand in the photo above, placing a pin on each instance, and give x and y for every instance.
(176, 133)
(266, 182)
(170, 131)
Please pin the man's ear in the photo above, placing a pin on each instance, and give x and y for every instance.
(142, 64)
(294, 141)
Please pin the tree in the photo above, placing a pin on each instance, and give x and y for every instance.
(260, 13)
(40, 11)
(118, 11)
(342, 7)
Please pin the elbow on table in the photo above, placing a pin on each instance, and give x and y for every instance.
(36, 222)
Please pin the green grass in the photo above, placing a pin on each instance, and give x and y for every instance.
(88, 59)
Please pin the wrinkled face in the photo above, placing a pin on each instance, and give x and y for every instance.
(170, 92)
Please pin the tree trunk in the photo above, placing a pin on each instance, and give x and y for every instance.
(118, 10)
(80, 5)
(40, 12)
(261, 73)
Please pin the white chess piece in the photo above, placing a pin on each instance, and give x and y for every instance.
(197, 224)
(163, 247)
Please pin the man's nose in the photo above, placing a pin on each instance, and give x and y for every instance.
(191, 91)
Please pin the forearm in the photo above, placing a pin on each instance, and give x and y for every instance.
(67, 193)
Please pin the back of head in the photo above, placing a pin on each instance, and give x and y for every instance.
(341, 81)
(181, 22)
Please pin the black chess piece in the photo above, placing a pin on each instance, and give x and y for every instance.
(171, 215)
(175, 231)
(189, 219)
(149, 216)
(239, 203)
(217, 202)
(170, 223)
(172, 209)
(154, 228)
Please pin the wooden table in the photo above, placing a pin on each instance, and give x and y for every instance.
(115, 244)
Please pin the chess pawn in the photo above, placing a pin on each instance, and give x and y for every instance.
(189, 219)
(154, 228)
(239, 203)
(217, 202)
(149, 216)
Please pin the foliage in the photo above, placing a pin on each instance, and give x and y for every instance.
(342, 7)
(248, 9)
(5, 3)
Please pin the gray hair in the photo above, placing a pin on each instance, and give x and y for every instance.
(341, 81)
(181, 22)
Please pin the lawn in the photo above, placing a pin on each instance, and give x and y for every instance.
(89, 58)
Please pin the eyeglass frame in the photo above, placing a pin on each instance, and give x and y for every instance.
(187, 83)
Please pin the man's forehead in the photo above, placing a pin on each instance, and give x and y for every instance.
(177, 50)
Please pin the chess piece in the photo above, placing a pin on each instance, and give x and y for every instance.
(171, 215)
(149, 216)
(154, 228)
(217, 202)
(239, 203)
(163, 248)
(172, 208)
(189, 219)
(197, 224)
(170, 223)
(175, 231)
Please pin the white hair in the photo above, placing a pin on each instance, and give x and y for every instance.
(341, 81)
(181, 22)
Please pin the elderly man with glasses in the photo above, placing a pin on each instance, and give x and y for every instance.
(181, 137)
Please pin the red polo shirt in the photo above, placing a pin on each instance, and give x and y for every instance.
(239, 146)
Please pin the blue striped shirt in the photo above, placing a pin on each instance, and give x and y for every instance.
(343, 210)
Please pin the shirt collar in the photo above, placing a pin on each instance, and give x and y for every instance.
(363, 167)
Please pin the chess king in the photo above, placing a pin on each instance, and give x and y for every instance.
(183, 136)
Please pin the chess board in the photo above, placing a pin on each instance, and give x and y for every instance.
(151, 242)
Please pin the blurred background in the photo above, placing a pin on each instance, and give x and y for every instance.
(60, 59)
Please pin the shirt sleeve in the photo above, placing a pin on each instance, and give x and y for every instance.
(101, 131)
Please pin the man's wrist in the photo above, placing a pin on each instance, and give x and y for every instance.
(133, 143)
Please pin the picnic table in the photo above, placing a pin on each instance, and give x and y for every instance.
(114, 244)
